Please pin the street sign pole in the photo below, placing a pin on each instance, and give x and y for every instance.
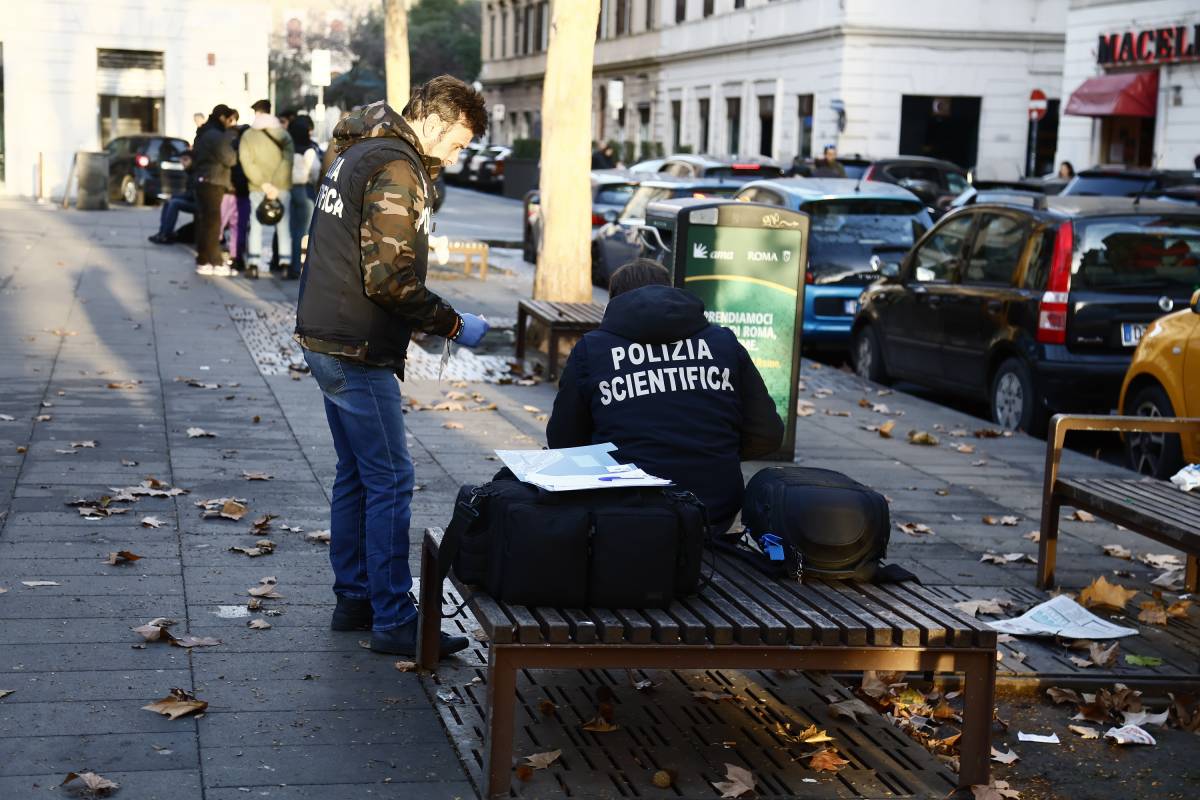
(1037, 109)
(1033, 137)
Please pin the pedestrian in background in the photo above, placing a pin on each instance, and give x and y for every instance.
(306, 174)
(829, 166)
(1066, 170)
(185, 202)
(265, 154)
(362, 294)
(214, 157)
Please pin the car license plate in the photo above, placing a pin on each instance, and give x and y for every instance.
(1131, 333)
(850, 307)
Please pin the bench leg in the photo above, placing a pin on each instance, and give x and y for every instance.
(979, 702)
(502, 698)
(1191, 575)
(429, 625)
(552, 372)
(521, 335)
(1048, 543)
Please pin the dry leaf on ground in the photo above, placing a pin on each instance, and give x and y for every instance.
(194, 641)
(1084, 731)
(35, 584)
(177, 704)
(543, 760)
(996, 790)
(995, 605)
(915, 528)
(1179, 609)
(121, 557)
(600, 725)
(827, 760)
(1033, 536)
(96, 785)
(259, 624)
(1007, 521)
(1004, 758)
(965, 449)
(405, 666)
(317, 536)
(1117, 551)
(922, 438)
(6, 692)
(257, 476)
(454, 426)
(849, 708)
(265, 589)
(199, 433)
(878, 685)
(1083, 516)
(85, 443)
(1153, 612)
(1103, 656)
(1006, 558)
(1167, 561)
(151, 522)
(1102, 593)
(738, 781)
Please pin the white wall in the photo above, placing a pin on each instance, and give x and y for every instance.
(1177, 128)
(50, 73)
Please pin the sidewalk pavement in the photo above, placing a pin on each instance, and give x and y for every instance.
(109, 339)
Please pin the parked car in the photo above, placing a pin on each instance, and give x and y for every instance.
(648, 167)
(860, 231)
(1164, 381)
(619, 240)
(935, 181)
(1120, 181)
(486, 168)
(611, 190)
(456, 173)
(145, 167)
(686, 165)
(1034, 307)
(854, 164)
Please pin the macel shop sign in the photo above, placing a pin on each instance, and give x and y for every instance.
(1150, 46)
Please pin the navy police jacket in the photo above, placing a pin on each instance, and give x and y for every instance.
(679, 396)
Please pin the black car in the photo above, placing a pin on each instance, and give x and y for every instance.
(145, 167)
(935, 181)
(611, 190)
(1126, 182)
(619, 240)
(1034, 306)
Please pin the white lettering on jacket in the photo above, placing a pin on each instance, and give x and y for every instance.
(659, 380)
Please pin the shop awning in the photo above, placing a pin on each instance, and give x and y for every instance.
(1122, 94)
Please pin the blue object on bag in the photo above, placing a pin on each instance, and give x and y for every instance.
(772, 545)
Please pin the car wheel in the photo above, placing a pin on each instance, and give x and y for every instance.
(1014, 400)
(1159, 455)
(130, 193)
(868, 356)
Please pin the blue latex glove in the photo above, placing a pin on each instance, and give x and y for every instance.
(472, 331)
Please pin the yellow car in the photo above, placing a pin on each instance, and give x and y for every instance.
(1164, 381)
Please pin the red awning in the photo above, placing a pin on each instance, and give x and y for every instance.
(1121, 94)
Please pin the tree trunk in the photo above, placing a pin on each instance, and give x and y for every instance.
(395, 34)
(564, 256)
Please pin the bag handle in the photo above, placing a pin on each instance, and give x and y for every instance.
(466, 512)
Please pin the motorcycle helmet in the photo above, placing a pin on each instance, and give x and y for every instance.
(269, 212)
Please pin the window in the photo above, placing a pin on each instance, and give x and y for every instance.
(805, 128)
(680, 169)
(504, 33)
(676, 124)
(680, 10)
(704, 105)
(129, 59)
(938, 258)
(491, 35)
(915, 172)
(759, 195)
(1152, 254)
(622, 17)
(544, 25)
(615, 194)
(1040, 256)
(996, 250)
(708, 8)
(766, 125)
(527, 39)
(650, 15)
(956, 182)
(739, 3)
(733, 124)
(643, 124)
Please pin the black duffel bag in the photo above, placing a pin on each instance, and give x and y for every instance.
(823, 523)
(606, 548)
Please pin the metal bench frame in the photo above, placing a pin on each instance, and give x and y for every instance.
(559, 318)
(1139, 518)
(976, 660)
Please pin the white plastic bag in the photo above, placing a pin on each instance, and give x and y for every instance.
(1187, 478)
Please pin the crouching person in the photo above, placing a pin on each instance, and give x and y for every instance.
(679, 396)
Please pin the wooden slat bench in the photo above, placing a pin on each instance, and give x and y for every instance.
(1153, 508)
(559, 318)
(741, 620)
(471, 251)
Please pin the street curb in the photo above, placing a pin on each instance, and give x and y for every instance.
(511, 244)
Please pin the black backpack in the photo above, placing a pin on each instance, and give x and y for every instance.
(816, 522)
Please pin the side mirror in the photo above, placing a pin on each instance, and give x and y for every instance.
(890, 270)
(610, 216)
(1195, 302)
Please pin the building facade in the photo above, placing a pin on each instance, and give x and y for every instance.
(782, 78)
(79, 73)
(1132, 78)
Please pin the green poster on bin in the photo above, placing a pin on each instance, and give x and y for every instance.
(747, 262)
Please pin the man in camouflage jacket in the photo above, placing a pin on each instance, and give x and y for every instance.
(362, 293)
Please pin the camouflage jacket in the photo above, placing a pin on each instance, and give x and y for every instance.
(394, 205)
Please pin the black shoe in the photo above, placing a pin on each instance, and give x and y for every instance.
(251, 272)
(351, 615)
(402, 641)
(291, 276)
(158, 238)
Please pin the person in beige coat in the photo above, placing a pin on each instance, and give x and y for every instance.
(265, 154)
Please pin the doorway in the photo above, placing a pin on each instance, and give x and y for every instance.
(125, 116)
(1127, 140)
(940, 127)
(766, 125)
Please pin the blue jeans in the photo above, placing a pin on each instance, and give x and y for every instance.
(372, 491)
(254, 244)
(299, 217)
(170, 213)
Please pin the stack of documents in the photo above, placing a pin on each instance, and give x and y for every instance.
(575, 468)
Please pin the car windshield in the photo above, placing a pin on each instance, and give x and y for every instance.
(614, 194)
(855, 169)
(846, 233)
(745, 171)
(1109, 185)
(708, 191)
(644, 196)
(1137, 254)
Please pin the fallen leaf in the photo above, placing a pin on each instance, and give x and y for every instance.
(805, 408)
(6, 692)
(922, 438)
(96, 785)
(991, 433)
(1104, 656)
(1102, 593)
(177, 704)
(265, 589)
(738, 781)
(532, 409)
(996, 790)
(600, 725)
(878, 685)
(121, 557)
(1007, 521)
(981, 462)
(543, 760)
(257, 476)
(262, 547)
(263, 625)
(317, 536)
(1004, 758)
(1060, 696)
(194, 641)
(155, 630)
(1167, 561)
(915, 528)
(43, 418)
(1117, 551)
(199, 433)
(1179, 609)
(975, 607)
(662, 779)
(35, 584)
(714, 697)
(547, 708)
(151, 522)
(965, 449)
(1152, 612)
(827, 761)
(1083, 516)
(7, 418)
(454, 426)
(1084, 731)
(1005, 558)
(405, 666)
(126, 462)
(86, 443)
(1033, 536)
(849, 709)
(1143, 661)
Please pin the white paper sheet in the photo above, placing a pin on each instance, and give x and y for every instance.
(1037, 737)
(1061, 616)
(576, 468)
